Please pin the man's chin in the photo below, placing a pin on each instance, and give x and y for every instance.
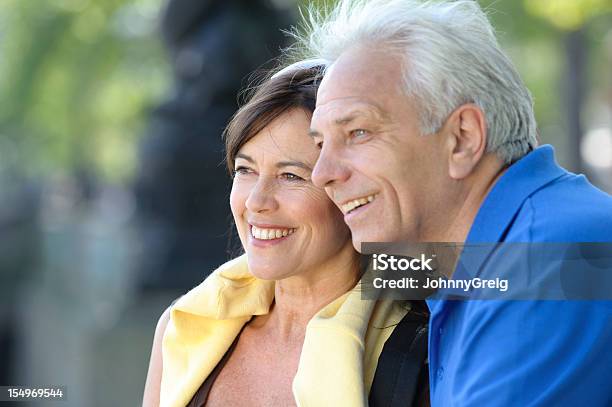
(362, 235)
(357, 245)
(359, 240)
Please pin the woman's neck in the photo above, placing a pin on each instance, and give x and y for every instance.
(298, 298)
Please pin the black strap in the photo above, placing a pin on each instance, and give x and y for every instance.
(402, 364)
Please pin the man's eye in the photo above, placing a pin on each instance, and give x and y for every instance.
(359, 133)
(291, 177)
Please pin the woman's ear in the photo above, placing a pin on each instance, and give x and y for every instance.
(466, 130)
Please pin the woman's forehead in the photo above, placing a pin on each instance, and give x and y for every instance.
(284, 139)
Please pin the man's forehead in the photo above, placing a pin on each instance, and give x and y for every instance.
(363, 81)
(360, 71)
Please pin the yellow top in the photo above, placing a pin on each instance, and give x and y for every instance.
(341, 348)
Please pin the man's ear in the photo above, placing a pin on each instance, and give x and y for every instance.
(466, 131)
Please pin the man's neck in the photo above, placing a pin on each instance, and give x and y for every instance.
(479, 185)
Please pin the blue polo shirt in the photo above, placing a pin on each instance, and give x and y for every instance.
(528, 353)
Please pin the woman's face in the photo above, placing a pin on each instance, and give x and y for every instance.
(287, 225)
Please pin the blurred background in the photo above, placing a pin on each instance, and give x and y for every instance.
(113, 194)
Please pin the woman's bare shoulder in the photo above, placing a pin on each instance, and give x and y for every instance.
(154, 375)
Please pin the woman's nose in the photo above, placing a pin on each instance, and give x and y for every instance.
(262, 197)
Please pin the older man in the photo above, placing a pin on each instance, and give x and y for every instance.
(427, 134)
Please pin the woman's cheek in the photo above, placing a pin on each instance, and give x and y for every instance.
(238, 197)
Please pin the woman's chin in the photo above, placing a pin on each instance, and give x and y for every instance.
(268, 271)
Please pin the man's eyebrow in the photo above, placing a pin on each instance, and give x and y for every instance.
(341, 121)
(313, 133)
(369, 109)
(344, 120)
(299, 164)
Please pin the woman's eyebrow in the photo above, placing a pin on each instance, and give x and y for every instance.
(280, 164)
(244, 157)
(299, 164)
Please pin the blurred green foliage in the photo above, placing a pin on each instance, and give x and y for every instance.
(76, 77)
(568, 14)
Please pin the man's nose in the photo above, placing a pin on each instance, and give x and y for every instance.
(262, 197)
(330, 168)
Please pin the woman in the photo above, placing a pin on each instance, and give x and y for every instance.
(283, 324)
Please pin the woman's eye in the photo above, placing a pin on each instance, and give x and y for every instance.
(242, 171)
(291, 177)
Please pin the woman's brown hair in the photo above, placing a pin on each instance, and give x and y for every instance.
(277, 95)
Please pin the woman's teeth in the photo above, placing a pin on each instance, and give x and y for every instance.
(349, 206)
(269, 234)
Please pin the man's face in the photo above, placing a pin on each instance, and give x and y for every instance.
(389, 181)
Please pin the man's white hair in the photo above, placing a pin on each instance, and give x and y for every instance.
(450, 57)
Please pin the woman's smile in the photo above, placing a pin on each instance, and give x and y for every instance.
(267, 235)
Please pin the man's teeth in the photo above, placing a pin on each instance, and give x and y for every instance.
(269, 234)
(349, 206)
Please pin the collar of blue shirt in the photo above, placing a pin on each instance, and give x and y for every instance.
(521, 180)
